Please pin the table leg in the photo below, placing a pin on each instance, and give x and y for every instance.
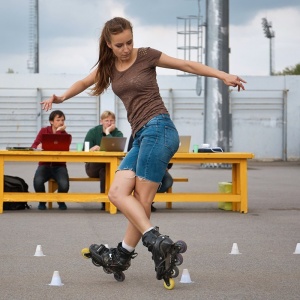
(243, 186)
(1, 184)
(112, 169)
(107, 180)
(235, 183)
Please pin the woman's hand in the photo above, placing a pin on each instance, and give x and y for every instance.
(47, 104)
(235, 81)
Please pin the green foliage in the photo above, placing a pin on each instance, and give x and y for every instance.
(10, 71)
(290, 71)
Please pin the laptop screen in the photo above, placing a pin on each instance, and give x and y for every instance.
(113, 144)
(184, 144)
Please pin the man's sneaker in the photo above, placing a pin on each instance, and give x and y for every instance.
(62, 205)
(42, 206)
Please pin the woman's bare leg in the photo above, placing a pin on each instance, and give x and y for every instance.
(137, 208)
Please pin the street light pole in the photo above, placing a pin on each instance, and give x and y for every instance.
(33, 61)
(270, 34)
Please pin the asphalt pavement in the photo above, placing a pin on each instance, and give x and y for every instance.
(267, 237)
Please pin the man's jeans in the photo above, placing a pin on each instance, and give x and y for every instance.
(44, 173)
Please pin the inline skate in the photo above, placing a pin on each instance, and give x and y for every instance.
(113, 260)
(166, 255)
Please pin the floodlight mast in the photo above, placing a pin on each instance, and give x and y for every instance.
(270, 34)
(33, 61)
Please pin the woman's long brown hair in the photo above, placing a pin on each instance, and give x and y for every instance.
(106, 57)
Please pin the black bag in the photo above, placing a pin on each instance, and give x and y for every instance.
(14, 184)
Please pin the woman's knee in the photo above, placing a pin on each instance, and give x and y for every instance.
(122, 186)
(113, 196)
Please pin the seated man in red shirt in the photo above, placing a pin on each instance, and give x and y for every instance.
(51, 170)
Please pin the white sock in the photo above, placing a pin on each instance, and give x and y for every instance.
(148, 230)
(127, 247)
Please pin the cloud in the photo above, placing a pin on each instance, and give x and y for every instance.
(242, 12)
(250, 48)
(74, 57)
(70, 29)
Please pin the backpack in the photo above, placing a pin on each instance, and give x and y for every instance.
(18, 185)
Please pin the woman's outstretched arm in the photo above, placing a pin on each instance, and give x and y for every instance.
(75, 89)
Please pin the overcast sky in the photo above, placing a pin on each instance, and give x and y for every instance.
(70, 29)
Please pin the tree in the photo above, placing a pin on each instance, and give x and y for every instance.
(10, 71)
(290, 71)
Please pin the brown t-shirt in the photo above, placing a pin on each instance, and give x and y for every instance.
(138, 89)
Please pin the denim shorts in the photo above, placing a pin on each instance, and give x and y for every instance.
(153, 147)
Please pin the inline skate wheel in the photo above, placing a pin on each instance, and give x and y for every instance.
(85, 252)
(107, 271)
(178, 259)
(175, 272)
(119, 276)
(182, 245)
(171, 284)
(95, 263)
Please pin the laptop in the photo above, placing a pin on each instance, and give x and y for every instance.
(56, 142)
(184, 144)
(19, 148)
(113, 144)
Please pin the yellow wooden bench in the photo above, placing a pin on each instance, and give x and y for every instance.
(178, 179)
(52, 186)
